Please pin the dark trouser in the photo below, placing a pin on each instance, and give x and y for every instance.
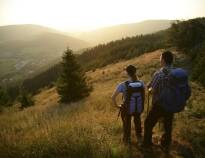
(126, 120)
(154, 115)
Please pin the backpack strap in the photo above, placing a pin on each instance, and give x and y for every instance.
(126, 91)
(126, 84)
(126, 100)
(166, 71)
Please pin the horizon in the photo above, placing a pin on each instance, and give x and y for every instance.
(85, 16)
(102, 27)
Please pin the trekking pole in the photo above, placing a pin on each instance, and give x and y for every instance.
(147, 102)
(118, 115)
(159, 125)
(149, 90)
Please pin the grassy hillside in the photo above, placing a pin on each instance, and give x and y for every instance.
(89, 128)
(26, 49)
(187, 36)
(102, 55)
(113, 33)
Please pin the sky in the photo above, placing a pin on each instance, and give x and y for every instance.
(86, 15)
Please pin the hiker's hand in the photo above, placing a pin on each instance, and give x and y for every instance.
(150, 90)
(119, 106)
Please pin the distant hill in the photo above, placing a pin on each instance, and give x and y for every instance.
(28, 48)
(22, 32)
(108, 34)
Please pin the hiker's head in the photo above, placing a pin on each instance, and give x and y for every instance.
(131, 71)
(166, 58)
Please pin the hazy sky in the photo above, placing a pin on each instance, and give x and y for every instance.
(82, 15)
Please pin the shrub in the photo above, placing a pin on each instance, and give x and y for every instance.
(25, 99)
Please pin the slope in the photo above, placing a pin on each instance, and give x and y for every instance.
(24, 49)
(117, 32)
(22, 32)
(89, 128)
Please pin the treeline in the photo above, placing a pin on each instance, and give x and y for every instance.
(43, 79)
(30, 85)
(123, 49)
(189, 37)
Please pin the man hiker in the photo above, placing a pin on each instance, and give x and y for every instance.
(133, 92)
(170, 90)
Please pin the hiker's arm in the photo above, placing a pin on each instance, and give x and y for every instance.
(154, 82)
(114, 96)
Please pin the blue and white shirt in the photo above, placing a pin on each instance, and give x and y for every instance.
(157, 82)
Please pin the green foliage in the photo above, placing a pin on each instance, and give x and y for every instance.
(198, 69)
(25, 99)
(123, 49)
(43, 79)
(189, 36)
(71, 84)
(192, 121)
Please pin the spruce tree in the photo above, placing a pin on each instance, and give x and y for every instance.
(71, 85)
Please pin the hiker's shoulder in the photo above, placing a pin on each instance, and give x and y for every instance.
(166, 70)
(123, 84)
(158, 72)
(142, 82)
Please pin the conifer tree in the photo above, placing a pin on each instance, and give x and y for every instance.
(71, 85)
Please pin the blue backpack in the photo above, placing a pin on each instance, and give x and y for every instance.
(176, 90)
(134, 99)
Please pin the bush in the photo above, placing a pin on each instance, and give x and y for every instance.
(25, 99)
(4, 98)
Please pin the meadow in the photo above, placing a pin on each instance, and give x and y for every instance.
(90, 128)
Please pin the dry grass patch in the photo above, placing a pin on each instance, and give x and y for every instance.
(88, 128)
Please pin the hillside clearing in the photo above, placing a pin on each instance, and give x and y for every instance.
(90, 128)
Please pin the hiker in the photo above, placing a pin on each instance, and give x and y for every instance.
(133, 92)
(170, 90)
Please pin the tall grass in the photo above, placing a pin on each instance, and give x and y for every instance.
(90, 128)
